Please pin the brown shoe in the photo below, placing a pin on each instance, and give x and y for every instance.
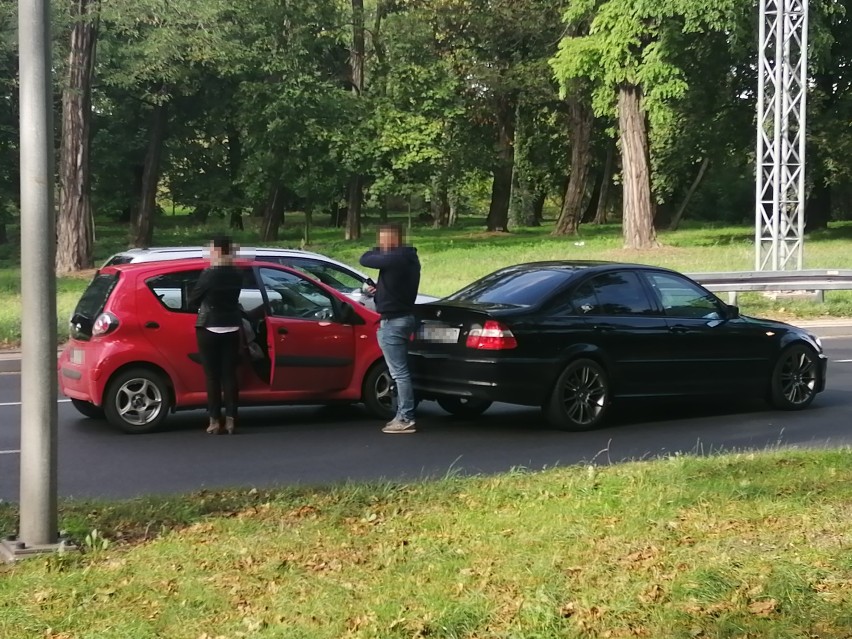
(229, 425)
(215, 426)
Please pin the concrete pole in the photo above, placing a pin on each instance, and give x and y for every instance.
(38, 525)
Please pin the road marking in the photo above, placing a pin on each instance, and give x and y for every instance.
(60, 401)
(9, 452)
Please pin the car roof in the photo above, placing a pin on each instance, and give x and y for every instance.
(158, 252)
(136, 267)
(577, 265)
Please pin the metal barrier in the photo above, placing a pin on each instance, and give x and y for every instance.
(816, 281)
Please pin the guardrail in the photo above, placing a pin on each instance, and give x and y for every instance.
(815, 281)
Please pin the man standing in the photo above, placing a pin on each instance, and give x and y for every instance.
(396, 290)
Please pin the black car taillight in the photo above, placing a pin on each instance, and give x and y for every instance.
(494, 336)
(104, 325)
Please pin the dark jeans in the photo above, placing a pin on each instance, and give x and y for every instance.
(220, 356)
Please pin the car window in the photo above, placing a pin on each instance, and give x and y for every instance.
(295, 297)
(520, 288)
(616, 293)
(681, 298)
(173, 290)
(329, 274)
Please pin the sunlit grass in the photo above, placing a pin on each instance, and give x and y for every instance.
(740, 545)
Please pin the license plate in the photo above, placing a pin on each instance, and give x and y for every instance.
(440, 334)
(77, 356)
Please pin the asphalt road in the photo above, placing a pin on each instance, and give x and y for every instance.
(314, 445)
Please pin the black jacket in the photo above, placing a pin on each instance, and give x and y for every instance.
(399, 279)
(217, 297)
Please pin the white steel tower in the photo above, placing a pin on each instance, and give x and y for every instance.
(781, 92)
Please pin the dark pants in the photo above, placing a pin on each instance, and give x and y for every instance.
(220, 356)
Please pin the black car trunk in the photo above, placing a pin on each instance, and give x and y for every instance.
(446, 326)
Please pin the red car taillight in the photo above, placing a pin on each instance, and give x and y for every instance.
(105, 324)
(494, 336)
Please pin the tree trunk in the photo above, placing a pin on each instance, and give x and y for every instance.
(357, 55)
(606, 185)
(4, 235)
(201, 213)
(536, 209)
(818, 207)
(354, 203)
(75, 226)
(501, 187)
(638, 217)
(309, 220)
(440, 203)
(143, 229)
(273, 214)
(235, 195)
(581, 119)
(453, 211)
(592, 205)
(678, 216)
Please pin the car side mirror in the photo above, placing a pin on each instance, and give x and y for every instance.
(347, 315)
(733, 311)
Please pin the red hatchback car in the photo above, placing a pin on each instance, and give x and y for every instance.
(133, 358)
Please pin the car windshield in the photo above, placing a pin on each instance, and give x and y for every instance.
(514, 287)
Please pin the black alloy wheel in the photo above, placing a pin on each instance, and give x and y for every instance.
(580, 397)
(795, 378)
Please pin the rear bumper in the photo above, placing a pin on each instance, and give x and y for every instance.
(514, 381)
(80, 372)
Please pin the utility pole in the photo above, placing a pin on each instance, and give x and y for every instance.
(781, 96)
(38, 519)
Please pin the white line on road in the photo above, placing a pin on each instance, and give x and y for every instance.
(61, 401)
(9, 452)
(843, 361)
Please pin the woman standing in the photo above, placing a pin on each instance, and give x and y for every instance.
(217, 297)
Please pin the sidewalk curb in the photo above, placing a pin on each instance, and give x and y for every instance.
(10, 360)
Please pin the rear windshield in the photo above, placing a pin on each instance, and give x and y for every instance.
(517, 288)
(91, 304)
(118, 259)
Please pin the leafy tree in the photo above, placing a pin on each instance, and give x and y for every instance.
(630, 55)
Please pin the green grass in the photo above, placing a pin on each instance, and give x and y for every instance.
(453, 257)
(739, 545)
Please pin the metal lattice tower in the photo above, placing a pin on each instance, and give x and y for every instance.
(781, 93)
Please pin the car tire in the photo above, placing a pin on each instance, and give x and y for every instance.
(580, 397)
(464, 406)
(795, 378)
(378, 392)
(137, 401)
(88, 409)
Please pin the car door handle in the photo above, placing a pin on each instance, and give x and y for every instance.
(679, 329)
(152, 325)
(282, 330)
(604, 328)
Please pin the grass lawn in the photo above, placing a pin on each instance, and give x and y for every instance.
(453, 257)
(738, 545)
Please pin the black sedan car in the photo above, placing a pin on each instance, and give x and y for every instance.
(572, 337)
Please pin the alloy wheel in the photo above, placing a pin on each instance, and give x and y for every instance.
(798, 377)
(584, 395)
(138, 401)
